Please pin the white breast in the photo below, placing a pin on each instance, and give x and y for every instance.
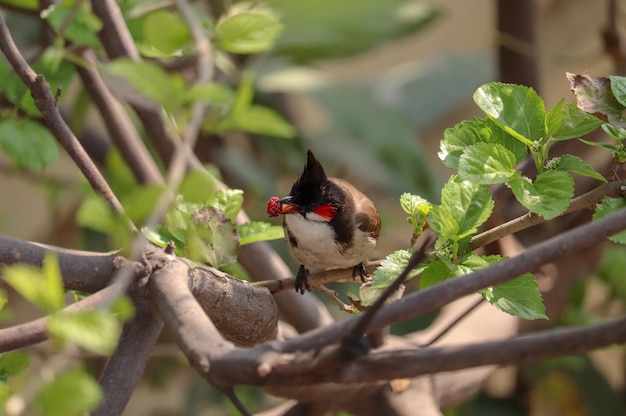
(317, 249)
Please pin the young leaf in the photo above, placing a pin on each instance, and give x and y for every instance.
(617, 133)
(228, 201)
(165, 33)
(464, 207)
(391, 267)
(548, 196)
(96, 330)
(609, 206)
(437, 272)
(29, 144)
(618, 87)
(43, 287)
(254, 231)
(487, 164)
(517, 109)
(13, 363)
(70, 394)
(518, 297)
(575, 123)
(248, 32)
(554, 118)
(571, 163)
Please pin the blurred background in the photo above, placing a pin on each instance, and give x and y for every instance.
(370, 86)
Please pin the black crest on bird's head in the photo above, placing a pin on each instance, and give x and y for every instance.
(311, 183)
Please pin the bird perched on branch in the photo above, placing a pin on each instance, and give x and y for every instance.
(328, 223)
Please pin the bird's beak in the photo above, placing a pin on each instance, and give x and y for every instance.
(288, 206)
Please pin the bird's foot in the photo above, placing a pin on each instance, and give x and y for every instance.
(361, 271)
(302, 282)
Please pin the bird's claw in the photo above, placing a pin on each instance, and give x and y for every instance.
(302, 282)
(360, 270)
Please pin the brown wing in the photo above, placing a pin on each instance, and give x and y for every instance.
(366, 216)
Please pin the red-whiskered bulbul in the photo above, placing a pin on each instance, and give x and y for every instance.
(328, 223)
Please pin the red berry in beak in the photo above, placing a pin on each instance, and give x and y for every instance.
(274, 207)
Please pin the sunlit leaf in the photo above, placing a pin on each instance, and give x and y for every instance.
(248, 32)
(13, 363)
(519, 297)
(166, 32)
(29, 144)
(571, 163)
(254, 231)
(548, 196)
(487, 164)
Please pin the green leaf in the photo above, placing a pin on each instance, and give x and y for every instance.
(618, 87)
(43, 287)
(212, 93)
(617, 133)
(150, 80)
(96, 330)
(464, 207)
(197, 186)
(548, 196)
(29, 144)
(391, 267)
(517, 109)
(254, 231)
(368, 295)
(437, 272)
(248, 32)
(571, 163)
(519, 297)
(213, 238)
(487, 164)
(414, 204)
(228, 201)
(166, 33)
(70, 394)
(575, 123)
(468, 133)
(139, 204)
(13, 363)
(258, 119)
(607, 207)
(554, 118)
(76, 21)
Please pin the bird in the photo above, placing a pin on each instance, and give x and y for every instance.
(328, 224)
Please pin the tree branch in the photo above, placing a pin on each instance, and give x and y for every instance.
(126, 366)
(34, 332)
(45, 102)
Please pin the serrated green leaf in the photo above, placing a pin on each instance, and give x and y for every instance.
(368, 294)
(228, 201)
(548, 196)
(609, 206)
(43, 287)
(464, 207)
(437, 272)
(70, 394)
(13, 363)
(487, 164)
(414, 204)
(254, 231)
(554, 118)
(571, 163)
(166, 32)
(575, 123)
(150, 80)
(618, 133)
(213, 238)
(475, 262)
(79, 24)
(391, 267)
(29, 144)
(618, 87)
(517, 109)
(248, 32)
(519, 297)
(96, 330)
(468, 133)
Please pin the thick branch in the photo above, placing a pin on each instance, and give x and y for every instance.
(80, 270)
(126, 366)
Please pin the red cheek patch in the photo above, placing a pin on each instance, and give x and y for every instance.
(326, 211)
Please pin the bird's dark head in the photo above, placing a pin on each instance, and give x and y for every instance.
(311, 193)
